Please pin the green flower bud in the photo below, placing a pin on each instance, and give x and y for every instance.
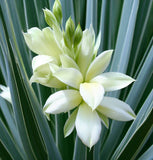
(67, 40)
(49, 17)
(70, 28)
(57, 10)
(78, 35)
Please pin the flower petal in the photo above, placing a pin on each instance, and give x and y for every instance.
(97, 43)
(62, 101)
(42, 42)
(5, 93)
(47, 80)
(69, 76)
(99, 64)
(68, 62)
(116, 109)
(113, 80)
(40, 60)
(92, 94)
(88, 125)
(42, 73)
(86, 49)
(70, 123)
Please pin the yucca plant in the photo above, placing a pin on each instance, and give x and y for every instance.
(125, 27)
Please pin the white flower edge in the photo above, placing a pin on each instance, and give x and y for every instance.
(116, 109)
(112, 81)
(92, 94)
(88, 125)
(42, 42)
(62, 101)
(69, 76)
(99, 64)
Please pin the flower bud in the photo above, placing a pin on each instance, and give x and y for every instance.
(49, 17)
(57, 10)
(70, 28)
(77, 35)
(67, 40)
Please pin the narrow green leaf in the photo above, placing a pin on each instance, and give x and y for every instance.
(8, 113)
(115, 9)
(143, 125)
(8, 143)
(79, 12)
(124, 39)
(23, 115)
(80, 151)
(142, 36)
(139, 86)
(147, 155)
(4, 154)
(104, 25)
(91, 14)
(67, 10)
(64, 145)
(133, 99)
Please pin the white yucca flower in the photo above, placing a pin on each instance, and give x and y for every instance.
(68, 60)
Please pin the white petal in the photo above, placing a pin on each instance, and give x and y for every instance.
(68, 62)
(42, 42)
(42, 73)
(69, 76)
(113, 80)
(92, 94)
(86, 49)
(47, 80)
(116, 109)
(97, 43)
(70, 123)
(62, 101)
(40, 60)
(5, 93)
(99, 64)
(88, 125)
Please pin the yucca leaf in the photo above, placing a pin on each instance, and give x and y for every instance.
(148, 154)
(91, 14)
(8, 143)
(12, 128)
(80, 151)
(125, 37)
(141, 41)
(79, 12)
(133, 99)
(64, 145)
(139, 86)
(4, 153)
(140, 127)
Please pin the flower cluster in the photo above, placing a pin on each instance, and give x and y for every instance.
(67, 59)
